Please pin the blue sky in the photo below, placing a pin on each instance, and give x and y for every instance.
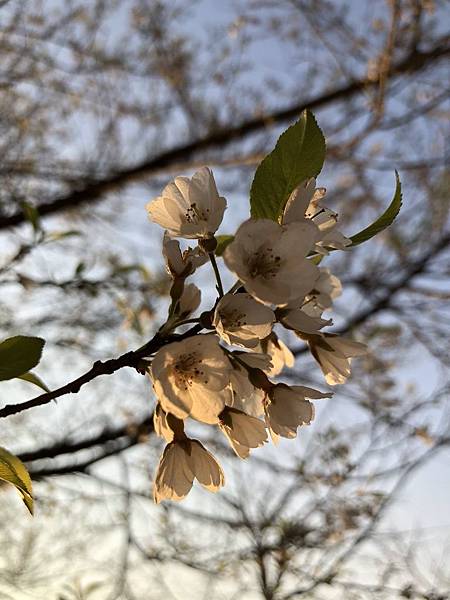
(424, 501)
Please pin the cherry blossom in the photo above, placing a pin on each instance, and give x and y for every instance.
(189, 208)
(303, 204)
(242, 431)
(326, 289)
(181, 264)
(288, 408)
(200, 375)
(190, 378)
(244, 396)
(299, 320)
(306, 195)
(270, 259)
(182, 461)
(161, 423)
(189, 300)
(326, 220)
(255, 360)
(279, 353)
(239, 319)
(334, 355)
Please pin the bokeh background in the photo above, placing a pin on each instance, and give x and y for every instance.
(101, 104)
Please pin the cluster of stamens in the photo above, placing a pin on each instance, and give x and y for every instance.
(193, 214)
(233, 319)
(187, 371)
(264, 263)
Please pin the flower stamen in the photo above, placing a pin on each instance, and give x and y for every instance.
(264, 263)
(194, 214)
(187, 371)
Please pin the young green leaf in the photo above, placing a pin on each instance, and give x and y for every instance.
(32, 215)
(298, 155)
(317, 258)
(32, 378)
(12, 470)
(384, 220)
(18, 355)
(222, 243)
(56, 236)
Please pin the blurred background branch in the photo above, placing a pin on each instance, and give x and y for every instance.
(101, 104)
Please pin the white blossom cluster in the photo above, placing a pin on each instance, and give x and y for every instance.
(222, 373)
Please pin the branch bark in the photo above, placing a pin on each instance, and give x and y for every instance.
(107, 367)
(384, 300)
(96, 190)
(129, 432)
(133, 433)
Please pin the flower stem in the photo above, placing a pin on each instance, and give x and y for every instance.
(212, 258)
(187, 321)
(235, 287)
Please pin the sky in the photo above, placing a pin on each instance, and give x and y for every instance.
(423, 503)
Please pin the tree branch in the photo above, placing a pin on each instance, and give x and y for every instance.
(95, 190)
(108, 367)
(113, 449)
(383, 302)
(131, 432)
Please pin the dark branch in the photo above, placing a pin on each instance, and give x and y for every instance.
(384, 300)
(95, 190)
(130, 432)
(108, 367)
(130, 435)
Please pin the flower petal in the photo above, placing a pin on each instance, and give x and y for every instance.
(174, 476)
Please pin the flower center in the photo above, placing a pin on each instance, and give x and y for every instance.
(194, 214)
(264, 263)
(188, 370)
(233, 319)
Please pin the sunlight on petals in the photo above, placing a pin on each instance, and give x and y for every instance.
(270, 259)
(190, 377)
(181, 462)
(189, 208)
(242, 431)
(334, 355)
(288, 408)
(239, 319)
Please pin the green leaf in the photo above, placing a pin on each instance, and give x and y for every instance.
(18, 355)
(298, 155)
(384, 220)
(12, 470)
(81, 267)
(222, 243)
(317, 258)
(32, 378)
(32, 216)
(56, 236)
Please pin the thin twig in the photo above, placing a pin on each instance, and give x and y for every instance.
(212, 258)
(107, 367)
(92, 191)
